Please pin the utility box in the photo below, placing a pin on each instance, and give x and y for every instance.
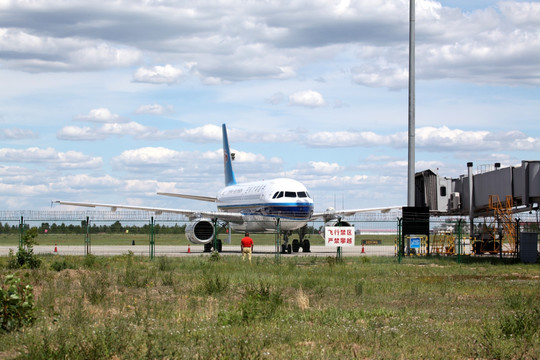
(528, 247)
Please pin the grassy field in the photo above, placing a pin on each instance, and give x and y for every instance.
(217, 307)
(166, 239)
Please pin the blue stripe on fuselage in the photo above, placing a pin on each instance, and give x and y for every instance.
(283, 210)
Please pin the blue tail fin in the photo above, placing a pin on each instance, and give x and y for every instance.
(227, 159)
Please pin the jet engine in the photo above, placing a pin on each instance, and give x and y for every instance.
(200, 231)
(337, 223)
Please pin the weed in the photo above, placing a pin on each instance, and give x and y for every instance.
(24, 258)
(359, 288)
(59, 265)
(513, 331)
(167, 279)
(95, 288)
(165, 264)
(16, 304)
(215, 256)
(89, 261)
(215, 284)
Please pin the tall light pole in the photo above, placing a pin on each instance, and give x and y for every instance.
(411, 159)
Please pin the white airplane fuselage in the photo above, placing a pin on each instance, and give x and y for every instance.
(262, 202)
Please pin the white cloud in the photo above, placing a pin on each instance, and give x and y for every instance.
(51, 158)
(322, 167)
(308, 98)
(153, 156)
(79, 133)
(377, 75)
(36, 53)
(346, 139)
(167, 74)
(132, 128)
(17, 134)
(154, 109)
(101, 115)
(204, 133)
(431, 138)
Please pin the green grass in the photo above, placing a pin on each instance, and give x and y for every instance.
(219, 307)
(166, 239)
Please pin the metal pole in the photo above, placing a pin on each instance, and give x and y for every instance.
(459, 243)
(21, 231)
(152, 241)
(87, 237)
(411, 159)
(471, 198)
(400, 241)
(278, 241)
(214, 238)
(517, 242)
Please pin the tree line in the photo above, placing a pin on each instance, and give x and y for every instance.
(114, 228)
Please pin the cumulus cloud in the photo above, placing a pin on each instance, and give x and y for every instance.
(50, 157)
(17, 134)
(322, 167)
(149, 156)
(346, 139)
(167, 74)
(430, 138)
(31, 52)
(376, 75)
(101, 115)
(86, 133)
(154, 109)
(308, 98)
(274, 40)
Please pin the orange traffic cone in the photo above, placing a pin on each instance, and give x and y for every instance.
(363, 252)
(188, 249)
(55, 248)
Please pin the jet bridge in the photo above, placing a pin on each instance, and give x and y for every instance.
(470, 194)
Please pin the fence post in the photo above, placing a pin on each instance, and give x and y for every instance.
(278, 241)
(338, 250)
(516, 243)
(400, 249)
(214, 237)
(459, 242)
(21, 232)
(152, 241)
(87, 237)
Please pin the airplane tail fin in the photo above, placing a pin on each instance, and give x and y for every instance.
(227, 159)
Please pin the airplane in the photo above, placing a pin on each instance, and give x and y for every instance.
(258, 207)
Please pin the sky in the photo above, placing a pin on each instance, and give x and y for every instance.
(113, 101)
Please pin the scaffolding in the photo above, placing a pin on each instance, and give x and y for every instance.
(500, 236)
(443, 243)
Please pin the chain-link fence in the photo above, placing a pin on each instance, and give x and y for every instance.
(144, 233)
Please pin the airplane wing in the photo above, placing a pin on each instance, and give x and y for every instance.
(192, 197)
(332, 214)
(190, 214)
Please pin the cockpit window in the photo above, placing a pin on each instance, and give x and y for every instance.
(302, 194)
(278, 195)
(290, 194)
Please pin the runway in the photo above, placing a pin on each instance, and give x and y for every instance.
(197, 250)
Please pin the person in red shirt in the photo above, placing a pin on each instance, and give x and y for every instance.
(247, 247)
